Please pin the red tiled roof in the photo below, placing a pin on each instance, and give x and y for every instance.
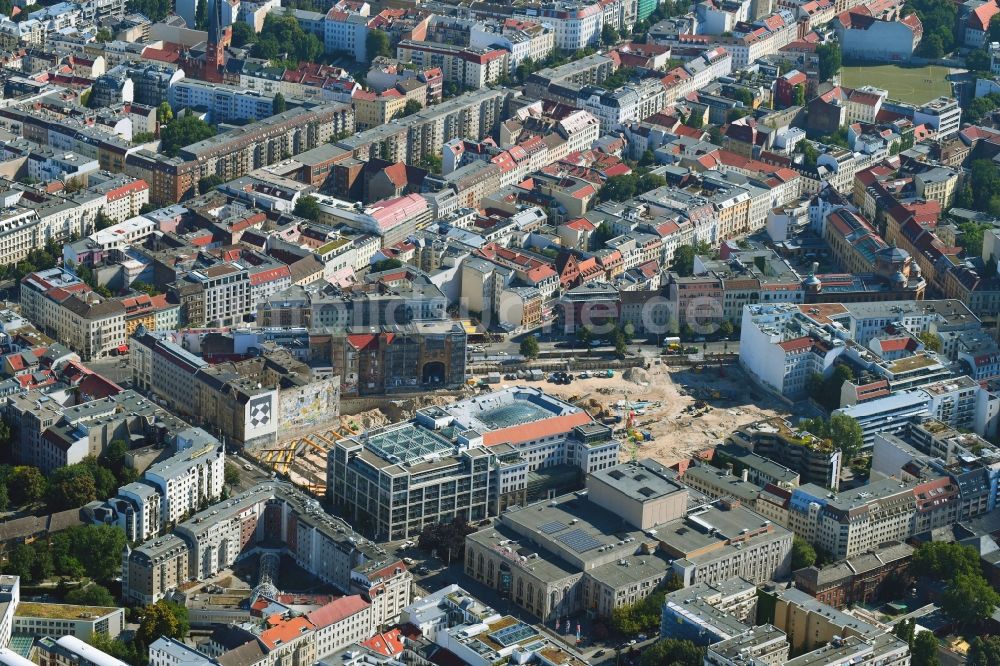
(286, 632)
(389, 644)
(536, 430)
(338, 610)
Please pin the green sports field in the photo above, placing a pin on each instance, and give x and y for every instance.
(915, 85)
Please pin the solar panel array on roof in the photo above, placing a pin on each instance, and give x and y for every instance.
(579, 540)
(552, 527)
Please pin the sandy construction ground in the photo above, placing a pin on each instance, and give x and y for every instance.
(688, 411)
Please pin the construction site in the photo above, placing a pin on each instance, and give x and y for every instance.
(662, 413)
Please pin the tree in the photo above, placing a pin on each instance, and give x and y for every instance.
(984, 651)
(164, 113)
(283, 42)
(940, 560)
(799, 98)
(969, 599)
(932, 46)
(386, 265)
(672, 652)
(972, 237)
(201, 15)
(829, 60)
(584, 336)
(648, 158)
(26, 485)
(904, 630)
(726, 328)
(91, 595)
(4, 498)
(843, 431)
(103, 36)
(525, 69)
(827, 390)
(979, 60)
(209, 183)
(695, 120)
(20, 561)
(6, 437)
(156, 10)
(609, 35)
(126, 651)
(231, 474)
(602, 234)
(377, 44)
(411, 107)
(114, 455)
(183, 132)
(529, 347)
(446, 539)
(307, 207)
(803, 554)
(162, 619)
(94, 550)
(684, 260)
(278, 104)
(924, 652)
(70, 487)
(618, 188)
(243, 34)
(930, 341)
(643, 615)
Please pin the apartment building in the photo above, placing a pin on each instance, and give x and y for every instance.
(274, 513)
(632, 103)
(226, 292)
(60, 304)
(240, 150)
(521, 38)
(467, 66)
(814, 459)
(853, 522)
(577, 25)
(943, 114)
(190, 478)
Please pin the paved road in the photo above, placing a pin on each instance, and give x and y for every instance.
(248, 477)
(115, 368)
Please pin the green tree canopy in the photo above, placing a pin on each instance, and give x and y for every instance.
(282, 39)
(386, 265)
(209, 183)
(829, 60)
(803, 554)
(377, 44)
(925, 649)
(183, 132)
(672, 652)
(529, 346)
(91, 595)
(842, 430)
(163, 618)
(984, 651)
(201, 15)
(447, 539)
(243, 34)
(411, 107)
(278, 104)
(969, 599)
(26, 485)
(307, 207)
(941, 560)
(684, 260)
